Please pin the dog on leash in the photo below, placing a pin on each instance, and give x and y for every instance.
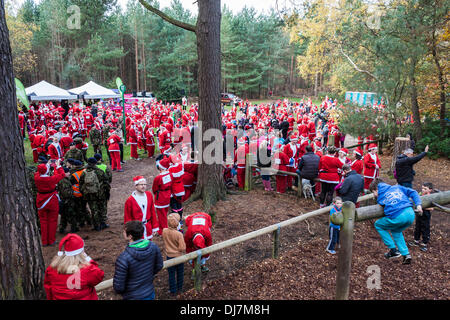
(308, 189)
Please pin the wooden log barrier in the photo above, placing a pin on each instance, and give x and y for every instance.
(348, 217)
(237, 240)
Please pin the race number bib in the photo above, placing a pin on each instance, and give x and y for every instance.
(166, 179)
(198, 222)
(111, 140)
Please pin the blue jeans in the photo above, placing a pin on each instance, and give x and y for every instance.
(150, 297)
(334, 237)
(395, 226)
(176, 277)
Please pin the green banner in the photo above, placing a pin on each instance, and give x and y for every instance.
(21, 94)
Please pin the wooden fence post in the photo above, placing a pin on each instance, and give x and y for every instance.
(345, 251)
(276, 242)
(198, 272)
(248, 172)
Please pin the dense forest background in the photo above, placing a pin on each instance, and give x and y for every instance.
(398, 49)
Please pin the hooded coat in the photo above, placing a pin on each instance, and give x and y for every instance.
(135, 270)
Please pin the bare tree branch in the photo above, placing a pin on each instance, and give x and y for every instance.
(171, 20)
(355, 66)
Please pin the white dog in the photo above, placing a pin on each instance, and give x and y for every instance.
(308, 189)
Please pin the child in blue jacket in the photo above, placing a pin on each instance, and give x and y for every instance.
(399, 215)
(333, 229)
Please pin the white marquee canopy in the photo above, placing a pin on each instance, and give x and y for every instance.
(46, 91)
(92, 90)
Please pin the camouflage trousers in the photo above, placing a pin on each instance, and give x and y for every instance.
(81, 212)
(71, 213)
(98, 211)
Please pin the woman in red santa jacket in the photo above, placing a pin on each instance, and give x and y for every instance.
(357, 164)
(329, 167)
(72, 274)
(47, 200)
(239, 160)
(198, 235)
(372, 165)
(162, 190)
(140, 206)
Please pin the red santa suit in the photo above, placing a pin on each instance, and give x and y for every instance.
(141, 207)
(133, 141)
(239, 160)
(114, 151)
(280, 162)
(149, 141)
(162, 190)
(292, 151)
(372, 166)
(189, 178)
(47, 201)
(22, 123)
(329, 167)
(164, 140)
(55, 151)
(358, 165)
(198, 233)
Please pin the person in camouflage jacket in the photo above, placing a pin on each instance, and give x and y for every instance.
(95, 200)
(96, 139)
(67, 206)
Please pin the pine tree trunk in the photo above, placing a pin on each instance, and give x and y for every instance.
(210, 185)
(21, 262)
(136, 55)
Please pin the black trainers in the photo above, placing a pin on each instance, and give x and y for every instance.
(407, 259)
(424, 248)
(393, 253)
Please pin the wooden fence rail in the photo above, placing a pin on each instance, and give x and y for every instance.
(347, 221)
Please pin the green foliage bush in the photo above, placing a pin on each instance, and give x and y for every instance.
(439, 144)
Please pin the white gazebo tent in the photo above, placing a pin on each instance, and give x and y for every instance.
(46, 91)
(92, 90)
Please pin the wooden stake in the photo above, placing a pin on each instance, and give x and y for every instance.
(345, 252)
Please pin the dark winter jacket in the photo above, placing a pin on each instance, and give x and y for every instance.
(135, 269)
(404, 167)
(308, 167)
(352, 186)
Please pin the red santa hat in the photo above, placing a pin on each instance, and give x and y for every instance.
(139, 179)
(163, 163)
(294, 136)
(344, 151)
(199, 241)
(358, 151)
(372, 146)
(42, 169)
(73, 245)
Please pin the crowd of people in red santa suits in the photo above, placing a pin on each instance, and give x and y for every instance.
(171, 127)
(286, 129)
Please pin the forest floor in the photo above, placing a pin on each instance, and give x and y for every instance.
(304, 270)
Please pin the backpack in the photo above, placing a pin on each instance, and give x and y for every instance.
(65, 190)
(91, 183)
